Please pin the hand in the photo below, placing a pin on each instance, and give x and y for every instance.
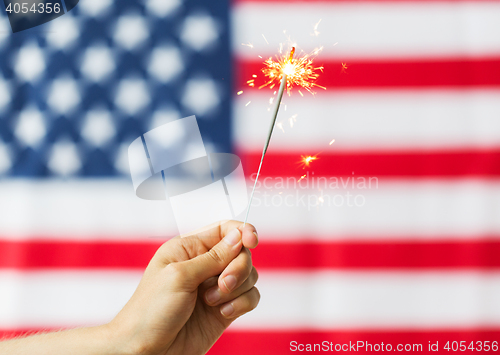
(192, 290)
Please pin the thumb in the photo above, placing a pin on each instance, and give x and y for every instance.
(214, 261)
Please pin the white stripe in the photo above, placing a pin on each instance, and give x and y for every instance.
(367, 30)
(413, 119)
(329, 300)
(80, 209)
(63, 298)
(323, 299)
(390, 209)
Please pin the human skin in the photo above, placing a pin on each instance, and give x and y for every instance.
(194, 287)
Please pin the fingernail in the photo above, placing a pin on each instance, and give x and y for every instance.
(230, 282)
(256, 235)
(213, 296)
(233, 237)
(227, 310)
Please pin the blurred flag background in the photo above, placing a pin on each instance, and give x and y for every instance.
(392, 235)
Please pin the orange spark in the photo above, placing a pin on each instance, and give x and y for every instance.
(239, 92)
(333, 140)
(306, 160)
(300, 71)
(302, 177)
(344, 67)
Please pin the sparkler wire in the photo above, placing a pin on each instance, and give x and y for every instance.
(266, 145)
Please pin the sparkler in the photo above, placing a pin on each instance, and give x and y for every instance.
(289, 71)
(271, 128)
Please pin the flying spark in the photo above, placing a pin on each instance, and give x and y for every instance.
(302, 177)
(333, 141)
(265, 39)
(306, 160)
(280, 126)
(248, 103)
(239, 92)
(247, 44)
(316, 32)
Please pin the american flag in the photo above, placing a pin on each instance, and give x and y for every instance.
(393, 234)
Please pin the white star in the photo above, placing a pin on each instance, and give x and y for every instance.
(4, 94)
(165, 63)
(97, 63)
(95, 8)
(64, 95)
(30, 128)
(64, 158)
(162, 8)
(63, 33)
(164, 116)
(29, 62)
(201, 96)
(5, 159)
(131, 31)
(132, 95)
(98, 128)
(121, 159)
(4, 30)
(199, 31)
(163, 137)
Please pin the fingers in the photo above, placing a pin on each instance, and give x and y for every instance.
(236, 272)
(215, 296)
(211, 235)
(248, 232)
(193, 272)
(241, 305)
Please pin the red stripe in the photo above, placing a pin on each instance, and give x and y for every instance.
(274, 342)
(474, 254)
(458, 163)
(278, 342)
(75, 254)
(458, 72)
(378, 255)
(345, 1)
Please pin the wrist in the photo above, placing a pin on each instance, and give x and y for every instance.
(117, 342)
(122, 339)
